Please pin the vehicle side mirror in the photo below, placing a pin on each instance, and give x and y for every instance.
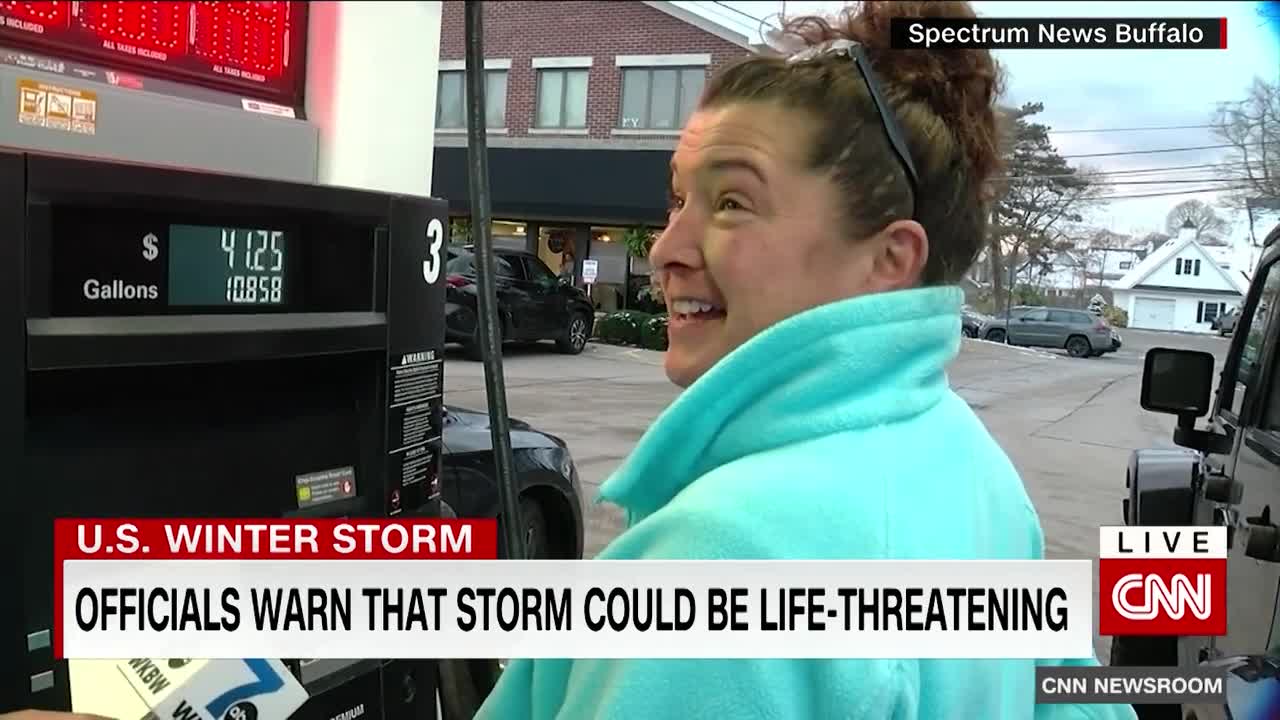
(1177, 382)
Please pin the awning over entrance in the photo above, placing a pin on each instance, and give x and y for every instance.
(618, 187)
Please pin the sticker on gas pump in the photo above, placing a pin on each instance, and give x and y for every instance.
(325, 486)
(267, 108)
(417, 464)
(416, 379)
(56, 107)
(414, 424)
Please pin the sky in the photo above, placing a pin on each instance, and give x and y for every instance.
(1088, 90)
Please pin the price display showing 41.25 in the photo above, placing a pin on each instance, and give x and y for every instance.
(255, 265)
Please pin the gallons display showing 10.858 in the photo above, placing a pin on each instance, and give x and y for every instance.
(210, 266)
(147, 266)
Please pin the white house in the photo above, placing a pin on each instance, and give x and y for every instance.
(1182, 286)
(1108, 265)
(1062, 276)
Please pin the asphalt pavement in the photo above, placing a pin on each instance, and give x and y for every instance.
(1068, 424)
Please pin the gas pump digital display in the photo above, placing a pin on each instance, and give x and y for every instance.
(109, 262)
(211, 265)
(244, 47)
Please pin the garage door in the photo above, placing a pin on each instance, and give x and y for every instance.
(1153, 314)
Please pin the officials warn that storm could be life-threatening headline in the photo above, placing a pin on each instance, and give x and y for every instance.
(419, 588)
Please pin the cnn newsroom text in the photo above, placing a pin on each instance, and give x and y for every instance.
(143, 590)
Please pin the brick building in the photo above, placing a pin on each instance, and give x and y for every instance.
(584, 101)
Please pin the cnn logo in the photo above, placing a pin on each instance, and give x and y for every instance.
(1162, 581)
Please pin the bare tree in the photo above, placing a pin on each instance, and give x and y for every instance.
(1156, 239)
(1252, 128)
(1208, 224)
(1096, 245)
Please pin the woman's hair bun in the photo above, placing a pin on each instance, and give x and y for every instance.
(960, 85)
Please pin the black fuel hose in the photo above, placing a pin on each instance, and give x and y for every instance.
(482, 235)
(464, 684)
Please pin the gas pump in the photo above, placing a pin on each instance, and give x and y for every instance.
(242, 342)
(203, 345)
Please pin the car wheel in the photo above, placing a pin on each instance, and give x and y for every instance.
(534, 522)
(1078, 347)
(996, 336)
(575, 335)
(534, 529)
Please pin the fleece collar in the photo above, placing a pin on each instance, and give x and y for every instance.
(851, 364)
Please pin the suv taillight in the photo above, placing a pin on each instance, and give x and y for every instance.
(457, 281)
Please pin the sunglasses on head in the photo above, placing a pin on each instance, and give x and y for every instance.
(888, 120)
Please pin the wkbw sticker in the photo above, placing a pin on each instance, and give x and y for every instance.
(233, 690)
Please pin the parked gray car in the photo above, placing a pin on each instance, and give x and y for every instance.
(1078, 332)
(1225, 324)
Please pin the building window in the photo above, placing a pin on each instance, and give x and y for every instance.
(1187, 267)
(1126, 264)
(1207, 311)
(451, 100)
(562, 99)
(659, 98)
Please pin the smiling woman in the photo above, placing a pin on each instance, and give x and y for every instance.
(823, 204)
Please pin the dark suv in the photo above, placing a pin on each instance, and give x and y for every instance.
(533, 303)
(1226, 473)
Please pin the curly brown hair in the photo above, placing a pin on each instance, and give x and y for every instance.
(944, 102)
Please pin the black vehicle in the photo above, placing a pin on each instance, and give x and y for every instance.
(547, 479)
(971, 322)
(534, 304)
(1225, 474)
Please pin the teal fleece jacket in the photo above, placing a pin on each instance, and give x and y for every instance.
(831, 435)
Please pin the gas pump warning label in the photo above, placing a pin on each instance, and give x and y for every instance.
(326, 486)
(413, 418)
(417, 465)
(57, 107)
(416, 379)
(418, 423)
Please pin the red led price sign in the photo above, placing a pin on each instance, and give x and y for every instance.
(254, 48)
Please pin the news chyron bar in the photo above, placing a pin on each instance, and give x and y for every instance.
(1058, 33)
